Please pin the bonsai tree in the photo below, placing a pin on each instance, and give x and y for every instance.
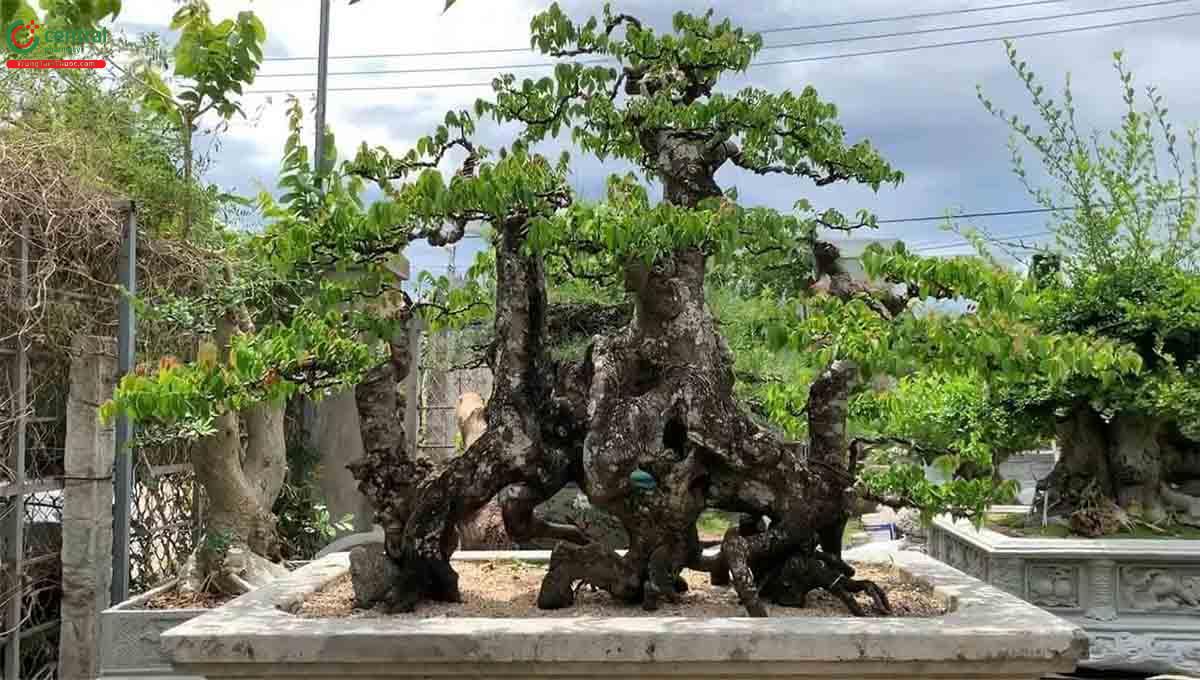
(645, 421)
(229, 403)
(1096, 347)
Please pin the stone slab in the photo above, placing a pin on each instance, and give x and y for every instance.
(988, 634)
(346, 543)
(129, 636)
(1137, 599)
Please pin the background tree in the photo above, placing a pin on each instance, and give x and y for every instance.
(268, 335)
(212, 63)
(1096, 347)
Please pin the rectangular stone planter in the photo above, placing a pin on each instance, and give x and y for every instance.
(129, 637)
(987, 634)
(1138, 599)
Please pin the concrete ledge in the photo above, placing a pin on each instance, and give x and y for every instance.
(129, 636)
(1136, 598)
(988, 634)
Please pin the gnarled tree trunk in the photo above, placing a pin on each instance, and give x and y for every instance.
(647, 425)
(1109, 472)
(240, 543)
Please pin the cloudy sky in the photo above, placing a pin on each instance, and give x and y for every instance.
(918, 107)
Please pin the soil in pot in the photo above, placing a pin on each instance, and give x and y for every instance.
(509, 589)
(1019, 526)
(176, 599)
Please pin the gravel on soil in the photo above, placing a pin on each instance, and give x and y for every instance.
(509, 590)
(174, 599)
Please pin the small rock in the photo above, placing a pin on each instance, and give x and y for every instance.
(908, 521)
(372, 572)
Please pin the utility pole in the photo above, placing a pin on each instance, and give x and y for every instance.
(322, 86)
(309, 410)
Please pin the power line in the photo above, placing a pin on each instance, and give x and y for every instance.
(906, 17)
(986, 24)
(959, 244)
(920, 245)
(810, 43)
(1001, 213)
(828, 57)
(976, 41)
(993, 213)
(805, 27)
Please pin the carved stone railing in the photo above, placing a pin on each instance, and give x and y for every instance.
(1138, 599)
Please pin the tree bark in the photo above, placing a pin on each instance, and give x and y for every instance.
(265, 463)
(1131, 466)
(240, 540)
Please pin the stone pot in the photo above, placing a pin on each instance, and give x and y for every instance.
(986, 634)
(1137, 599)
(129, 636)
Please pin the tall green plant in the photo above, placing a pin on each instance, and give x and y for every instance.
(213, 62)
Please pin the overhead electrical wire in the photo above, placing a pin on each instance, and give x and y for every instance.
(916, 248)
(993, 213)
(809, 43)
(804, 27)
(800, 60)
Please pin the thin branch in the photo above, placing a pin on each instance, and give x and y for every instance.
(841, 227)
(900, 441)
(401, 169)
(610, 26)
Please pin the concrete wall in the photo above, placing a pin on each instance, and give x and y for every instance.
(87, 514)
(333, 431)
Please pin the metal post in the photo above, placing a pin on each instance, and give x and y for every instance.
(16, 503)
(308, 415)
(411, 386)
(322, 86)
(123, 459)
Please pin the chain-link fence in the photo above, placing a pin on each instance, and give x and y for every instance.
(164, 521)
(446, 370)
(31, 484)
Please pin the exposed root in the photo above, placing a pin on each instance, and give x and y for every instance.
(802, 573)
(592, 564)
(236, 572)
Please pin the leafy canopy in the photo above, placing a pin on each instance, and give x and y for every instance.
(1106, 319)
(213, 62)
